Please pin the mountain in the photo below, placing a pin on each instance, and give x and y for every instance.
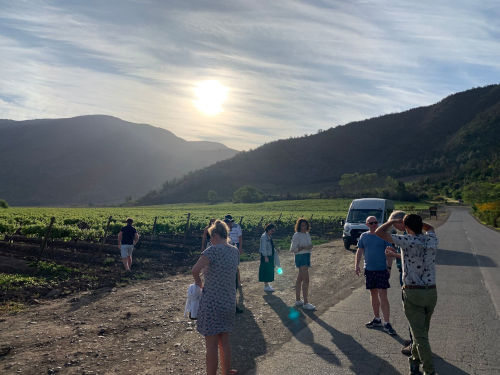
(461, 131)
(93, 159)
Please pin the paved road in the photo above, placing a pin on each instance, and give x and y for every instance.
(464, 330)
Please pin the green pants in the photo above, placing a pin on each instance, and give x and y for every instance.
(419, 305)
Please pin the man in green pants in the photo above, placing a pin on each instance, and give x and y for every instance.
(419, 283)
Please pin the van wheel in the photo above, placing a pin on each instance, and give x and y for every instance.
(347, 245)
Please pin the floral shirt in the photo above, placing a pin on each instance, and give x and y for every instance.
(418, 255)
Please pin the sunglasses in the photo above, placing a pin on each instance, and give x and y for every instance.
(372, 222)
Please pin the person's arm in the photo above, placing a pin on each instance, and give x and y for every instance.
(359, 253)
(390, 252)
(120, 239)
(240, 241)
(383, 230)
(204, 240)
(427, 227)
(197, 268)
(136, 238)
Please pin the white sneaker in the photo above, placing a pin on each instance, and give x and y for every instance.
(309, 306)
(268, 288)
(299, 303)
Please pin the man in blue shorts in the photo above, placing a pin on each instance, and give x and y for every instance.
(127, 239)
(376, 273)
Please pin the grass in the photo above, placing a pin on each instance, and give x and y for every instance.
(10, 281)
(11, 307)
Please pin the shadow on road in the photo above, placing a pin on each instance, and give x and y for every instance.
(247, 342)
(445, 368)
(294, 320)
(460, 258)
(362, 361)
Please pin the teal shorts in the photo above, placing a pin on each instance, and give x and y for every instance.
(302, 260)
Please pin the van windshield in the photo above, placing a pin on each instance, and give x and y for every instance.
(360, 215)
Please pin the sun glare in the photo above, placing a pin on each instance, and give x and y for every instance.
(210, 95)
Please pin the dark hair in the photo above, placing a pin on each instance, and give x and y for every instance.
(299, 223)
(414, 222)
(130, 220)
(212, 220)
(269, 226)
(220, 228)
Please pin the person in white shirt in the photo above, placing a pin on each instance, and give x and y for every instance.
(235, 239)
(301, 246)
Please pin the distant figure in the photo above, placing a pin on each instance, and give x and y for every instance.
(419, 283)
(235, 239)
(394, 252)
(301, 246)
(127, 239)
(205, 241)
(218, 301)
(267, 251)
(376, 273)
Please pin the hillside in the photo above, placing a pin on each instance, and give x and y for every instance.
(93, 160)
(458, 133)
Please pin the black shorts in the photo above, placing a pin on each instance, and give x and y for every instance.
(377, 279)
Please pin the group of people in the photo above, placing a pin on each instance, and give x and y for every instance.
(219, 262)
(414, 249)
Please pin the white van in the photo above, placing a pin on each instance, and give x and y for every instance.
(359, 210)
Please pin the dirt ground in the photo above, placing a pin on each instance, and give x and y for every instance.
(140, 328)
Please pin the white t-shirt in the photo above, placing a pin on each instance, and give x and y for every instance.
(300, 239)
(235, 234)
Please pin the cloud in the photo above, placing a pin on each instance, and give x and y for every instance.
(292, 67)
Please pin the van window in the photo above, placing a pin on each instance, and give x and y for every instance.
(360, 215)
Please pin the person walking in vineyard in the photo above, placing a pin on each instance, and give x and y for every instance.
(205, 241)
(301, 246)
(127, 239)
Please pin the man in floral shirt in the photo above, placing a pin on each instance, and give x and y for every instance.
(419, 283)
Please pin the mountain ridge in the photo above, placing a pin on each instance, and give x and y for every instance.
(93, 159)
(422, 140)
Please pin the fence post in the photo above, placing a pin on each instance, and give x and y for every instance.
(47, 235)
(187, 227)
(277, 221)
(106, 231)
(154, 228)
(241, 220)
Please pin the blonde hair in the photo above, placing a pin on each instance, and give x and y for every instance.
(397, 215)
(220, 228)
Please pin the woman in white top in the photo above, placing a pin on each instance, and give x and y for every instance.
(301, 246)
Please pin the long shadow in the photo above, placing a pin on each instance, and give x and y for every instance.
(247, 342)
(362, 361)
(446, 368)
(459, 258)
(294, 320)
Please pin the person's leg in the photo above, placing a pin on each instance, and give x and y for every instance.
(212, 359)
(375, 303)
(129, 260)
(225, 352)
(415, 305)
(298, 285)
(431, 299)
(384, 304)
(125, 263)
(305, 284)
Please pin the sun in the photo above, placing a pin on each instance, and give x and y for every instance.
(210, 95)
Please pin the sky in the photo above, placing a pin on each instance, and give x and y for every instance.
(289, 67)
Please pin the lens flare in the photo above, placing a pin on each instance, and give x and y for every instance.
(293, 314)
(279, 271)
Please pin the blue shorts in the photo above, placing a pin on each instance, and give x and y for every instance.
(377, 279)
(302, 260)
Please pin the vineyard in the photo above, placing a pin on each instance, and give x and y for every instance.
(78, 250)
